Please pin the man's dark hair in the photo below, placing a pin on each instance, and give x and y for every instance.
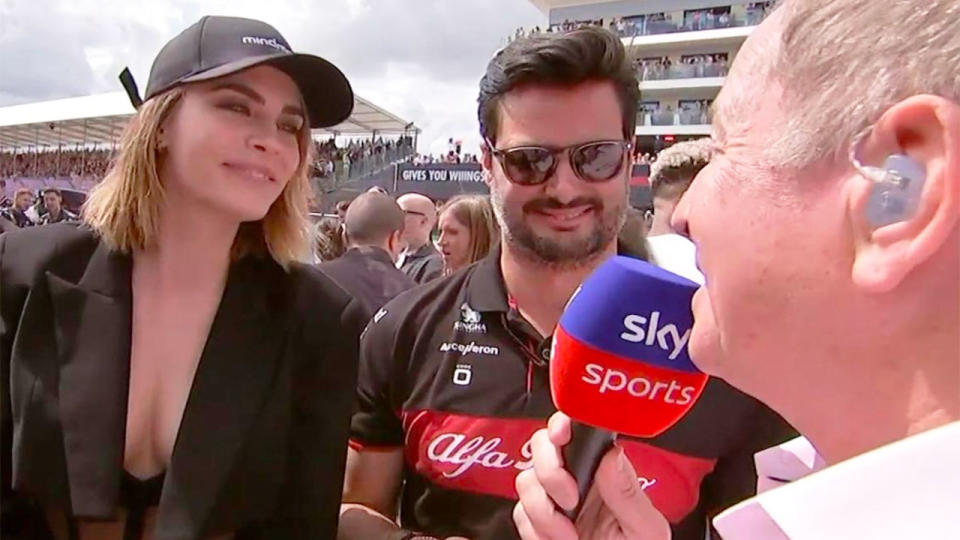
(566, 59)
(52, 190)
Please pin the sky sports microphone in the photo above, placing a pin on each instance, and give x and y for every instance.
(620, 362)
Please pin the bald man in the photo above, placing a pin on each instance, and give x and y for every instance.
(373, 226)
(420, 261)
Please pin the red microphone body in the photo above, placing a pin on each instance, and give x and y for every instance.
(620, 362)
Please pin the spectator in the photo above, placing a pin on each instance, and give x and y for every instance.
(633, 234)
(458, 367)
(670, 177)
(329, 239)
(17, 214)
(468, 231)
(421, 261)
(373, 228)
(55, 212)
(341, 209)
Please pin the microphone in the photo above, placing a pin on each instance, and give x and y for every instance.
(620, 362)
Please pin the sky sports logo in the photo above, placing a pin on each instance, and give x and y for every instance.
(649, 331)
(615, 381)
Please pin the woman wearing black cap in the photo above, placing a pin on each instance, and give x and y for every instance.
(170, 370)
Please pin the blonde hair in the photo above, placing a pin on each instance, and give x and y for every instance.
(679, 164)
(124, 208)
(842, 63)
(476, 214)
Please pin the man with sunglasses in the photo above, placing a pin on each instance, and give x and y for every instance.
(421, 261)
(453, 375)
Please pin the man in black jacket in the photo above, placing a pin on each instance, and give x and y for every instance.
(421, 261)
(17, 214)
(374, 226)
(53, 201)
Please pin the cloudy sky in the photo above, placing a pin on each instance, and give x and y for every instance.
(420, 59)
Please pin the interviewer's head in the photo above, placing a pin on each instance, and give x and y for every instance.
(807, 305)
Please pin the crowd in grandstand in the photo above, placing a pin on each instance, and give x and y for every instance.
(449, 158)
(75, 163)
(694, 112)
(80, 169)
(659, 23)
(359, 157)
(704, 65)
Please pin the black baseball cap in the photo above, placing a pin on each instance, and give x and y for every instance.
(217, 46)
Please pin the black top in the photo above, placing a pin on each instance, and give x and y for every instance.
(369, 275)
(64, 215)
(17, 216)
(453, 373)
(137, 496)
(261, 445)
(424, 264)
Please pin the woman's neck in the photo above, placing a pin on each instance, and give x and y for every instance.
(192, 247)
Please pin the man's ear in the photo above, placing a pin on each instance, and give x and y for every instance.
(927, 130)
(486, 161)
(395, 243)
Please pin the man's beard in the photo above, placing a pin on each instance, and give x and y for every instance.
(559, 254)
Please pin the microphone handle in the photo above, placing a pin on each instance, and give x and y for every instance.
(582, 457)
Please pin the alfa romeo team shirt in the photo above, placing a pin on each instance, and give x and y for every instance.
(453, 374)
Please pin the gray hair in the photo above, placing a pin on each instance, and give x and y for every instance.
(842, 63)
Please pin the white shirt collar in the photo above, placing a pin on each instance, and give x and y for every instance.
(907, 489)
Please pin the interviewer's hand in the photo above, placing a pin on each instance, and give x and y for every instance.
(616, 507)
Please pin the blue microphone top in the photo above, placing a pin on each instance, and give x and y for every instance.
(634, 310)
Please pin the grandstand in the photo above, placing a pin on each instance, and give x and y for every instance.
(681, 51)
(67, 143)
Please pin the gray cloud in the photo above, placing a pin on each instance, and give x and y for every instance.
(420, 59)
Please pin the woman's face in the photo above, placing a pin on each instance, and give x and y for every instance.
(232, 143)
(454, 242)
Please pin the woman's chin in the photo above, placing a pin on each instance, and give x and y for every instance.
(245, 213)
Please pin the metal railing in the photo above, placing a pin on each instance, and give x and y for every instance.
(345, 170)
(681, 71)
(692, 117)
(643, 27)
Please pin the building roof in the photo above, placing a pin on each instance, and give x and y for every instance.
(99, 119)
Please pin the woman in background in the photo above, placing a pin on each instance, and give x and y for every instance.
(468, 230)
(330, 243)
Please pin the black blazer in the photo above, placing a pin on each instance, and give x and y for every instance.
(423, 265)
(261, 446)
(369, 275)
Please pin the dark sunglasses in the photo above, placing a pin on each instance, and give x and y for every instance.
(597, 161)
